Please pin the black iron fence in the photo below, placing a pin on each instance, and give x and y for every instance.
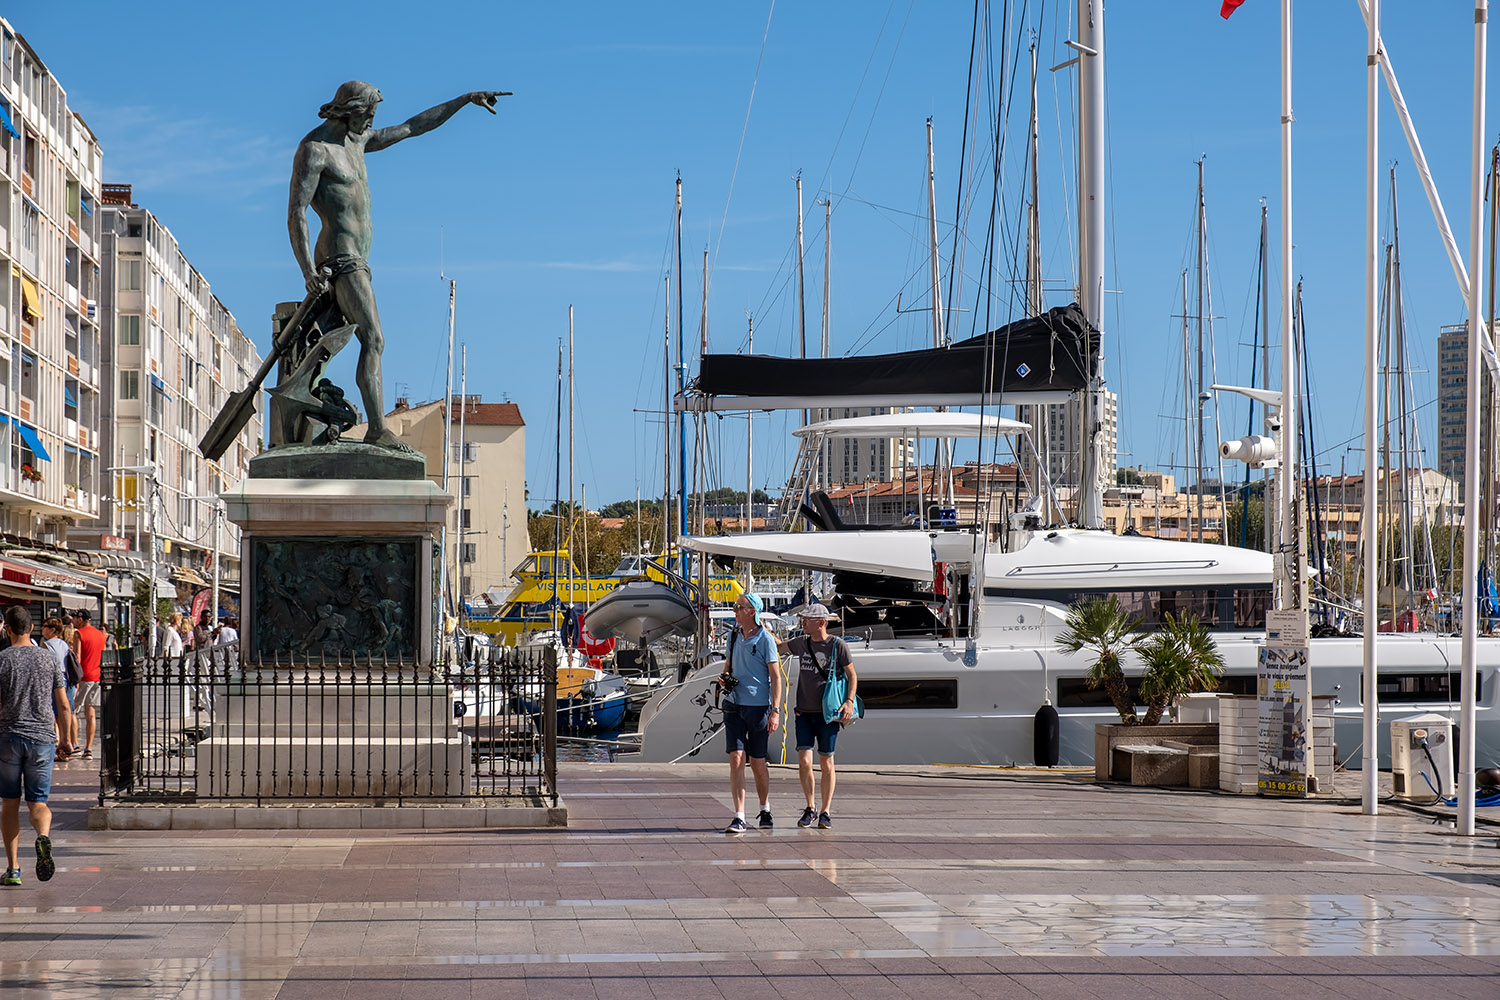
(202, 728)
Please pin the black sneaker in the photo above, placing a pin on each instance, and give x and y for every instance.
(824, 821)
(809, 816)
(736, 825)
(765, 819)
(45, 866)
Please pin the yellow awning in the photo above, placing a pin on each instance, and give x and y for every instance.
(31, 301)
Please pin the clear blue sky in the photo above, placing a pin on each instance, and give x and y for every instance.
(565, 197)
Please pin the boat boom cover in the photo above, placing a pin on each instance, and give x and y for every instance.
(1057, 350)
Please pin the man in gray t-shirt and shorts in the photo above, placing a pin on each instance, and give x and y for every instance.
(33, 706)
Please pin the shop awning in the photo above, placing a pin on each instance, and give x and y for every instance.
(47, 578)
(189, 575)
(121, 562)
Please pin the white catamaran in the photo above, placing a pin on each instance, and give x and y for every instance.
(956, 673)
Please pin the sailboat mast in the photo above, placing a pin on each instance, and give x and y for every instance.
(1187, 396)
(1033, 213)
(1265, 359)
(749, 435)
(824, 456)
(572, 512)
(1398, 332)
(557, 486)
(681, 388)
(937, 291)
(1200, 394)
(666, 420)
(1090, 49)
(463, 456)
(801, 296)
(447, 454)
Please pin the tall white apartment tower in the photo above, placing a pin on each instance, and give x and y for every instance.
(1055, 433)
(1453, 401)
(855, 460)
(50, 377)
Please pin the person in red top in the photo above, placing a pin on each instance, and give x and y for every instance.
(86, 701)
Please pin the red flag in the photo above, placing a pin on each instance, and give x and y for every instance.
(1229, 7)
(200, 604)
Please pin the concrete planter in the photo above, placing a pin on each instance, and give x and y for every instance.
(1107, 736)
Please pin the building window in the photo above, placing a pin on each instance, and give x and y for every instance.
(130, 384)
(130, 274)
(130, 330)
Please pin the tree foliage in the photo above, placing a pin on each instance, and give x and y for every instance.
(1100, 627)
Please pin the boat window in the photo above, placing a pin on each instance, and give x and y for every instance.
(896, 692)
(1250, 606)
(1218, 607)
(1074, 692)
(1419, 687)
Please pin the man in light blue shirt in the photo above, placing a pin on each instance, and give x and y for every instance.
(752, 707)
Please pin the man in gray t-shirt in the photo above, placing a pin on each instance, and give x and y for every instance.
(33, 705)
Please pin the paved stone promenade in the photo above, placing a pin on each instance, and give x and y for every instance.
(940, 884)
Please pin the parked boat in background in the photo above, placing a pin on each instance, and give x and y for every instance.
(547, 583)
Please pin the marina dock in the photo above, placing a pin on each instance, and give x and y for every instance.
(934, 881)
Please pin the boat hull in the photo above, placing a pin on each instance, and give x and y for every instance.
(642, 612)
(990, 718)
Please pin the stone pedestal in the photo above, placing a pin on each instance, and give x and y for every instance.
(338, 568)
(335, 699)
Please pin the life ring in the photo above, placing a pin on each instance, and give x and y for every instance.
(592, 647)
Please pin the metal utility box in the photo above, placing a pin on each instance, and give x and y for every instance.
(1410, 762)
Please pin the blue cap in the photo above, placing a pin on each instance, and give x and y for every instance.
(755, 602)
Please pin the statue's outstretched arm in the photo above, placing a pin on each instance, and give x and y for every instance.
(430, 119)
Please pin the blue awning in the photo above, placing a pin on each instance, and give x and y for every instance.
(83, 203)
(71, 399)
(33, 441)
(5, 120)
(161, 387)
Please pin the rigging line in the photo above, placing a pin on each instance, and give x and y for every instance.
(884, 81)
(963, 143)
(744, 129)
(859, 88)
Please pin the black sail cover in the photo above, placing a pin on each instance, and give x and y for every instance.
(1056, 351)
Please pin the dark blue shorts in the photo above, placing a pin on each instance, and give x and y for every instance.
(25, 765)
(745, 728)
(812, 729)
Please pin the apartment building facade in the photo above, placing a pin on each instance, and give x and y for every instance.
(487, 476)
(172, 353)
(51, 380)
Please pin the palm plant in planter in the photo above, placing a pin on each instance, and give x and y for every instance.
(1181, 658)
(1105, 630)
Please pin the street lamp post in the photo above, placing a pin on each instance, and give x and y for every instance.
(150, 471)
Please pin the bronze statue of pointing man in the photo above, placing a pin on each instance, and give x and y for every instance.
(328, 175)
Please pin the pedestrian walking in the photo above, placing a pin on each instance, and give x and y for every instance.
(815, 649)
(91, 654)
(203, 632)
(67, 729)
(751, 682)
(33, 699)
